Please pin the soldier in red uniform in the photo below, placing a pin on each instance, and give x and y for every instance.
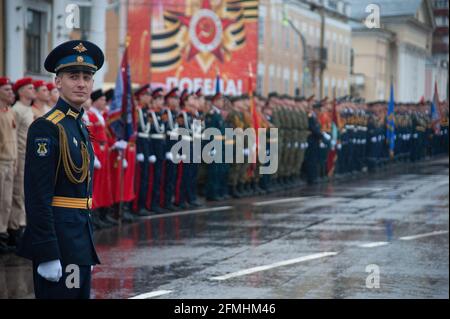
(102, 195)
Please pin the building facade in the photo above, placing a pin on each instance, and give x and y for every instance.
(31, 28)
(399, 50)
(289, 48)
(437, 66)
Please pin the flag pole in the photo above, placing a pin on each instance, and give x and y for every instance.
(121, 152)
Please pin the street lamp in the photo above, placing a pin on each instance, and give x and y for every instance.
(287, 22)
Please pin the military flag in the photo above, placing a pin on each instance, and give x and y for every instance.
(390, 134)
(435, 113)
(332, 154)
(121, 119)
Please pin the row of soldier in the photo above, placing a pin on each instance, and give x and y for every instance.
(140, 176)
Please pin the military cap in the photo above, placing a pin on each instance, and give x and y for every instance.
(216, 96)
(172, 93)
(38, 83)
(310, 98)
(75, 55)
(143, 89)
(50, 86)
(317, 105)
(96, 95)
(109, 94)
(272, 94)
(157, 93)
(22, 82)
(199, 92)
(184, 96)
(4, 80)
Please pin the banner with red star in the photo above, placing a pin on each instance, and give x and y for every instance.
(191, 41)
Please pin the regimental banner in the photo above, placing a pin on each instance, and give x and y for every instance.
(192, 41)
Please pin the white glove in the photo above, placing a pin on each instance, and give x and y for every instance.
(339, 146)
(333, 143)
(326, 136)
(124, 163)
(306, 145)
(120, 145)
(296, 144)
(152, 159)
(97, 164)
(322, 145)
(374, 139)
(246, 151)
(50, 270)
(169, 156)
(140, 157)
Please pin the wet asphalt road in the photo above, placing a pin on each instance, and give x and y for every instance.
(326, 241)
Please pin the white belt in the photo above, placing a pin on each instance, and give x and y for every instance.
(157, 136)
(173, 134)
(145, 135)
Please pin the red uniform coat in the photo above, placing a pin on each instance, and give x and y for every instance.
(101, 196)
(122, 182)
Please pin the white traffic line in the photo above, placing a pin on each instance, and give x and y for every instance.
(440, 232)
(274, 265)
(281, 201)
(189, 212)
(374, 244)
(152, 294)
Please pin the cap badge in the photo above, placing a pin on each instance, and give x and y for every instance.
(80, 48)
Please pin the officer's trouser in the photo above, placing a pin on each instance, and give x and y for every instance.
(44, 289)
(6, 196)
(18, 218)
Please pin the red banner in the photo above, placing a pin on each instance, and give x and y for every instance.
(138, 37)
(193, 40)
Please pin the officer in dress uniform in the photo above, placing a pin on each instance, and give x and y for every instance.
(143, 144)
(59, 166)
(157, 151)
(168, 117)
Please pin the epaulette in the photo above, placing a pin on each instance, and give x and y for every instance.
(56, 116)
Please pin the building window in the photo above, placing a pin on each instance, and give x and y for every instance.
(288, 38)
(85, 22)
(441, 4)
(261, 31)
(259, 84)
(34, 41)
(441, 21)
(273, 34)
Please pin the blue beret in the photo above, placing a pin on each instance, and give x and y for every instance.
(75, 55)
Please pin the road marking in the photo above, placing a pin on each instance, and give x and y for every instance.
(274, 265)
(152, 294)
(281, 201)
(440, 232)
(374, 244)
(189, 212)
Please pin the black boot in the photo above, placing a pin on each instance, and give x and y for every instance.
(4, 248)
(15, 237)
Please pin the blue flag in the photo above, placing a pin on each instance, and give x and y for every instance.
(121, 119)
(435, 114)
(390, 134)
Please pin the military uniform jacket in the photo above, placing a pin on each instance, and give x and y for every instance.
(58, 189)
